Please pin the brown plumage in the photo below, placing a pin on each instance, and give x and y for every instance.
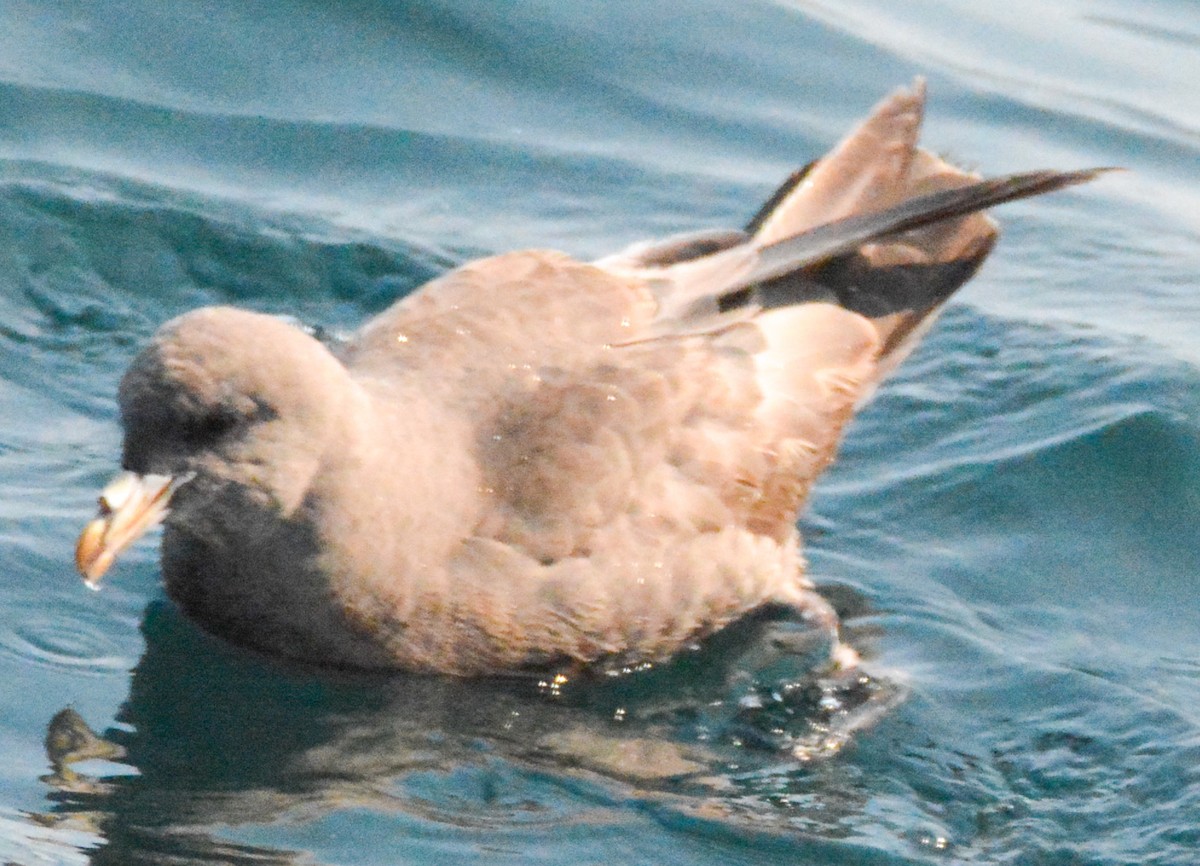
(534, 460)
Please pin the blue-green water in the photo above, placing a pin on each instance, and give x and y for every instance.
(1011, 530)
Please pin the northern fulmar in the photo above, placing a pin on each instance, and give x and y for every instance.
(536, 461)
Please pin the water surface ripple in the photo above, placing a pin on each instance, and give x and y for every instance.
(1009, 533)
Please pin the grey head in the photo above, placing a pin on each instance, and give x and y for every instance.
(223, 403)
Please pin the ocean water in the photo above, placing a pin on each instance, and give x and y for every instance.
(1010, 532)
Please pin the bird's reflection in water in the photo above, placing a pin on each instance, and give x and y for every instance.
(216, 739)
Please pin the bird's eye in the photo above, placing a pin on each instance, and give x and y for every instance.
(213, 427)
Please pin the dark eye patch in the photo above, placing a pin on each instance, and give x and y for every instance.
(213, 426)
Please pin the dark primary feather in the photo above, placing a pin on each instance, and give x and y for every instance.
(781, 193)
(827, 241)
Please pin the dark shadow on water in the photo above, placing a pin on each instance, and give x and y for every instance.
(216, 740)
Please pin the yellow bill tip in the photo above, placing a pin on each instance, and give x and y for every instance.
(92, 558)
(129, 505)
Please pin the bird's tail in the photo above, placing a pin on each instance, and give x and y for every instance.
(881, 227)
(878, 227)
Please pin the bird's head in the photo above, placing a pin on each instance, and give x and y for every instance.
(221, 399)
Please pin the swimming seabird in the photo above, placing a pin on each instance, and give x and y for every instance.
(534, 460)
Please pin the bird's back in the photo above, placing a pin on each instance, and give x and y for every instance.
(644, 430)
